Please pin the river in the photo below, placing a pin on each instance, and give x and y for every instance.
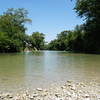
(19, 71)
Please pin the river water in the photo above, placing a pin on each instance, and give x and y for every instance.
(19, 71)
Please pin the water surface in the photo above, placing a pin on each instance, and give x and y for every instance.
(31, 70)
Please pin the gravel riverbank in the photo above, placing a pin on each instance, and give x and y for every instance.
(69, 91)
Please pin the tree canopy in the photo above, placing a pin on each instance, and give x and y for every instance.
(86, 37)
(37, 40)
(12, 30)
(90, 10)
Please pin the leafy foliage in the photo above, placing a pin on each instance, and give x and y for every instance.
(68, 40)
(37, 40)
(86, 37)
(12, 30)
(90, 10)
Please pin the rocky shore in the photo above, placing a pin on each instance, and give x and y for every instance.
(69, 91)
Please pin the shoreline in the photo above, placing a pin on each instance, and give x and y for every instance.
(68, 91)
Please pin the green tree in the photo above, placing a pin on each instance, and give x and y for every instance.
(12, 28)
(60, 43)
(69, 40)
(53, 45)
(62, 40)
(75, 39)
(89, 9)
(37, 40)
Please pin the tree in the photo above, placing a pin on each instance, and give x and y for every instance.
(12, 28)
(37, 40)
(62, 40)
(53, 45)
(69, 40)
(75, 39)
(89, 9)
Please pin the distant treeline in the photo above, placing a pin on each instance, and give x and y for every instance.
(84, 38)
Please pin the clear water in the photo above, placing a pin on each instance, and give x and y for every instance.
(41, 69)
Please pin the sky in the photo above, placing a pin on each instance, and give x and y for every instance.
(48, 16)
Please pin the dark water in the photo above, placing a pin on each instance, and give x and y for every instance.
(41, 69)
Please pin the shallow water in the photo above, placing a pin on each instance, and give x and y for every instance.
(41, 69)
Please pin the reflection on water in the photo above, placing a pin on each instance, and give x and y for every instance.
(40, 69)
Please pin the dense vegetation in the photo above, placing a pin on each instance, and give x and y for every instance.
(37, 40)
(12, 32)
(84, 38)
(68, 40)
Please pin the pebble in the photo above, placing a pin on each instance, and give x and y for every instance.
(86, 96)
(65, 92)
(73, 87)
(39, 89)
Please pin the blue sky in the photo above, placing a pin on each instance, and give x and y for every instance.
(48, 16)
